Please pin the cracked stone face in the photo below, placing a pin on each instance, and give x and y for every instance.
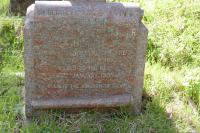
(83, 55)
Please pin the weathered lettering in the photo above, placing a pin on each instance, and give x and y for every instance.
(92, 52)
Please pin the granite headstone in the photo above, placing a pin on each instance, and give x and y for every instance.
(83, 54)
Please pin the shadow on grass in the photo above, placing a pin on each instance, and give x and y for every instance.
(154, 118)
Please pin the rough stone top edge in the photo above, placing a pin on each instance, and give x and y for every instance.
(46, 5)
(30, 10)
(29, 16)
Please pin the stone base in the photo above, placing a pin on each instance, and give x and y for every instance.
(75, 105)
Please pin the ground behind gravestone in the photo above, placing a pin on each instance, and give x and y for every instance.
(172, 77)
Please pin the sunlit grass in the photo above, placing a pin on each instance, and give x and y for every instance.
(171, 95)
(4, 7)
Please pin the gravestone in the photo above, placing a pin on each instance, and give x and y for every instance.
(83, 55)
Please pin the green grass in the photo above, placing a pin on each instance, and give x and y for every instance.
(171, 100)
(4, 7)
(11, 43)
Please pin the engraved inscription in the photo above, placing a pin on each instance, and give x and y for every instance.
(95, 50)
